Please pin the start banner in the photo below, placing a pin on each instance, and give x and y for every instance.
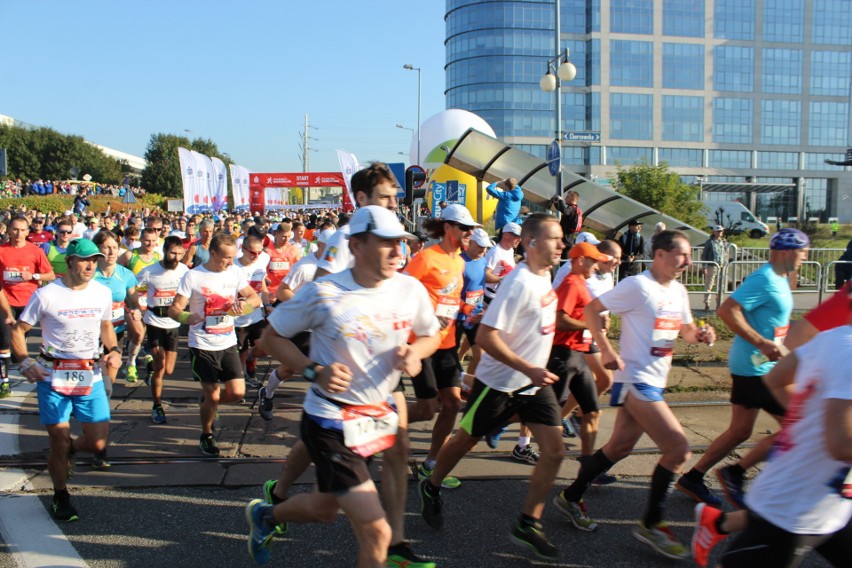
(260, 182)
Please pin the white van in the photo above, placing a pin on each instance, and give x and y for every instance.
(735, 218)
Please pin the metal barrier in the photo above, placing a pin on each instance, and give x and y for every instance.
(829, 279)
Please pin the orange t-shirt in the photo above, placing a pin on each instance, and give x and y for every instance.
(280, 263)
(443, 277)
(14, 261)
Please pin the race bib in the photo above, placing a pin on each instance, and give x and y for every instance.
(163, 298)
(117, 316)
(664, 335)
(781, 334)
(279, 265)
(142, 296)
(218, 324)
(447, 308)
(548, 313)
(12, 275)
(369, 429)
(73, 376)
(587, 337)
(473, 298)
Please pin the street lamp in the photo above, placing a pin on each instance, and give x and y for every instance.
(559, 70)
(410, 67)
(404, 127)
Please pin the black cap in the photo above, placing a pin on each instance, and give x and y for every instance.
(635, 222)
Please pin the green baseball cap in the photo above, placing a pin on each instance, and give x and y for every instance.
(82, 248)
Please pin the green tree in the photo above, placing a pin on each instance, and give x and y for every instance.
(162, 172)
(662, 189)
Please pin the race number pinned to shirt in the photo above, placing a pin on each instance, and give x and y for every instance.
(117, 316)
(369, 429)
(781, 334)
(163, 298)
(73, 377)
(548, 313)
(11, 274)
(447, 307)
(217, 321)
(279, 266)
(664, 335)
(473, 298)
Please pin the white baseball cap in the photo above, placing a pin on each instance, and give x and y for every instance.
(378, 221)
(323, 236)
(586, 237)
(459, 214)
(481, 238)
(513, 228)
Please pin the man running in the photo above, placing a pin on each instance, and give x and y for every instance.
(758, 312)
(516, 334)
(361, 320)
(74, 314)
(136, 260)
(161, 282)
(253, 264)
(282, 256)
(55, 250)
(654, 309)
(216, 292)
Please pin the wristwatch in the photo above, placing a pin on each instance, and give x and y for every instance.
(310, 372)
(36, 276)
(115, 349)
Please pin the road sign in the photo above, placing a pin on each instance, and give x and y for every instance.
(417, 169)
(583, 136)
(398, 169)
(552, 156)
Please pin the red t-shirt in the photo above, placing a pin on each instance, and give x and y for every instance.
(13, 261)
(280, 263)
(833, 312)
(39, 237)
(572, 297)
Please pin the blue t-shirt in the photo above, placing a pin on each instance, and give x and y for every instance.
(474, 281)
(767, 303)
(119, 283)
(508, 206)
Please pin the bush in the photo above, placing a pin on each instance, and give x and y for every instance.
(58, 204)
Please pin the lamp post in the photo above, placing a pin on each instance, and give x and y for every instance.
(410, 67)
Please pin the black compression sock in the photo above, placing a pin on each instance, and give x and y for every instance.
(719, 521)
(737, 469)
(694, 475)
(591, 467)
(661, 481)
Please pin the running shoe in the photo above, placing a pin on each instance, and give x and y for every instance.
(271, 499)
(431, 508)
(401, 556)
(661, 539)
(449, 482)
(62, 508)
(533, 537)
(252, 382)
(259, 537)
(577, 513)
(131, 375)
(5, 389)
(264, 404)
(567, 429)
(698, 490)
(493, 437)
(705, 535)
(99, 460)
(605, 479)
(158, 415)
(732, 485)
(527, 455)
(208, 445)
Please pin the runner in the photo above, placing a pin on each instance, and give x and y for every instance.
(23, 266)
(361, 319)
(199, 251)
(282, 256)
(253, 264)
(516, 334)
(500, 260)
(440, 269)
(473, 300)
(74, 314)
(55, 250)
(654, 308)
(38, 236)
(137, 260)
(216, 292)
(758, 312)
(161, 282)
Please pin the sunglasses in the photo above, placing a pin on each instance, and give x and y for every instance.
(252, 252)
(64, 232)
(464, 228)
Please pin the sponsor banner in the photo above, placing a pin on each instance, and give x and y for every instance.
(220, 184)
(348, 166)
(299, 179)
(202, 196)
(240, 187)
(192, 200)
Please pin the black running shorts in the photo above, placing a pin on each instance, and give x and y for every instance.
(216, 366)
(160, 337)
(573, 372)
(488, 409)
(751, 392)
(338, 468)
(440, 371)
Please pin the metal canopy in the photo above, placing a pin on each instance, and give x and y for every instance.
(736, 187)
(605, 210)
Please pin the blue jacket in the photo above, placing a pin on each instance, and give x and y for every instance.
(508, 205)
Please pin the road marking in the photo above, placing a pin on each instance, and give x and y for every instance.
(22, 515)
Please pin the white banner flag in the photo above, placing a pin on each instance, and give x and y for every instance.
(220, 184)
(240, 198)
(244, 176)
(191, 199)
(348, 166)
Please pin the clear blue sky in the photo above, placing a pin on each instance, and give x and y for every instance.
(243, 73)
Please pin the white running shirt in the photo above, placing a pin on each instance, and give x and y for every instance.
(212, 295)
(162, 285)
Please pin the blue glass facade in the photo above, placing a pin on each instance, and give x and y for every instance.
(683, 118)
(683, 66)
(780, 122)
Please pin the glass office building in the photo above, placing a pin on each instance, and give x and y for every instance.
(746, 98)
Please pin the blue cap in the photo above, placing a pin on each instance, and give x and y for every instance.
(789, 238)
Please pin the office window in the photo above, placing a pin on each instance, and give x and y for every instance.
(730, 159)
(631, 63)
(683, 118)
(573, 155)
(593, 61)
(732, 121)
(569, 20)
(631, 116)
(733, 68)
(832, 22)
(816, 193)
(733, 19)
(683, 18)
(829, 123)
(631, 16)
(782, 71)
(783, 20)
(830, 73)
(681, 157)
(780, 122)
(683, 66)
(628, 155)
(778, 160)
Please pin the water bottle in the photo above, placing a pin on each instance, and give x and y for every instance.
(468, 319)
